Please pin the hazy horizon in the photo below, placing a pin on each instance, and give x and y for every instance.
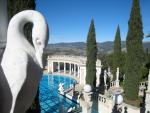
(97, 42)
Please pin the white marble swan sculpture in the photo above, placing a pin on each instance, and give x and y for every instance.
(21, 62)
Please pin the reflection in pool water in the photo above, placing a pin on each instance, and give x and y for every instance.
(50, 100)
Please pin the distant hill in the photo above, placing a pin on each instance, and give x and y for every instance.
(78, 48)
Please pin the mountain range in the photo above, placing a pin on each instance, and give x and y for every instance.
(78, 48)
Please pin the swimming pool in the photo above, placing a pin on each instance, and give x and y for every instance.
(50, 100)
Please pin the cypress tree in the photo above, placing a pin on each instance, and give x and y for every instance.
(117, 60)
(135, 54)
(91, 52)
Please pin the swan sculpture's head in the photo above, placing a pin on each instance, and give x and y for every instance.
(39, 38)
(39, 31)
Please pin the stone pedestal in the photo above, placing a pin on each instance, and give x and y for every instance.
(147, 101)
(87, 108)
(88, 97)
(117, 83)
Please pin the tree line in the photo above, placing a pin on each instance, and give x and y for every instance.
(133, 63)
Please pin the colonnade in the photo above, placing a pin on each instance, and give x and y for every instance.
(74, 66)
(64, 67)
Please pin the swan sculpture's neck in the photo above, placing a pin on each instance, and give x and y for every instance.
(15, 32)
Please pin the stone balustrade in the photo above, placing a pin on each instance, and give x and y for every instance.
(112, 84)
(102, 98)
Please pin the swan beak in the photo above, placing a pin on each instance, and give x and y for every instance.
(40, 58)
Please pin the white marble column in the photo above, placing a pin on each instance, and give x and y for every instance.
(78, 71)
(64, 67)
(52, 67)
(74, 70)
(147, 99)
(48, 66)
(59, 67)
(70, 68)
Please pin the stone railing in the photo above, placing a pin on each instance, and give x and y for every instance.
(112, 84)
(102, 98)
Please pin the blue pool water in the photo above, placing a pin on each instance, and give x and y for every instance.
(50, 100)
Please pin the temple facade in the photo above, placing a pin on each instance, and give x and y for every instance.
(71, 65)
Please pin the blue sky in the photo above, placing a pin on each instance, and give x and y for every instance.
(69, 20)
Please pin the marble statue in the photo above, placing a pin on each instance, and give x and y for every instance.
(147, 98)
(71, 110)
(110, 75)
(22, 63)
(61, 88)
(105, 77)
(117, 78)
